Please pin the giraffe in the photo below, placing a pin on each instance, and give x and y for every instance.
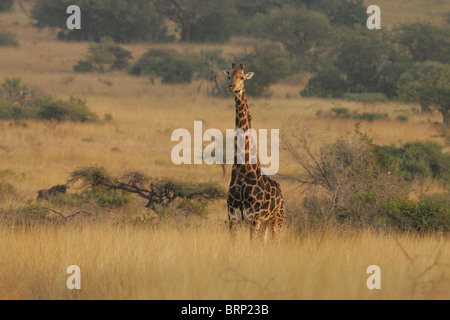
(252, 197)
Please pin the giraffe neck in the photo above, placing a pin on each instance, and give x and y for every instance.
(243, 122)
(243, 118)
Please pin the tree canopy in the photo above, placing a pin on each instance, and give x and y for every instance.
(123, 21)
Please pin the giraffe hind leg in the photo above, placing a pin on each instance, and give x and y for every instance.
(233, 219)
(276, 223)
(254, 227)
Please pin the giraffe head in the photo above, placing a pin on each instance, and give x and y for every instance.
(237, 78)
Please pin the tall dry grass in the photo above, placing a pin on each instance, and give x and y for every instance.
(187, 260)
(201, 262)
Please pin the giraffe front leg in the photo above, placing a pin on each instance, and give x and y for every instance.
(255, 225)
(233, 220)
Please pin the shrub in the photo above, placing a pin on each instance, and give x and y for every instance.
(402, 118)
(6, 5)
(8, 39)
(407, 215)
(159, 192)
(170, 65)
(441, 198)
(18, 102)
(6, 190)
(83, 66)
(420, 159)
(49, 108)
(105, 57)
(342, 113)
(101, 198)
(327, 83)
(370, 116)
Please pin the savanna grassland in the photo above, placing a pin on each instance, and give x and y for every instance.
(188, 257)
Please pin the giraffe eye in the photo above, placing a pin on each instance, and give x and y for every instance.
(242, 78)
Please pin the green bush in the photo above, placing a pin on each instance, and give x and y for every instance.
(370, 116)
(327, 83)
(18, 102)
(407, 215)
(6, 5)
(402, 118)
(342, 113)
(420, 159)
(6, 190)
(83, 66)
(76, 110)
(8, 39)
(170, 65)
(102, 198)
(365, 209)
(105, 57)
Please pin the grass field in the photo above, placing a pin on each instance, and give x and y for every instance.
(190, 259)
(200, 262)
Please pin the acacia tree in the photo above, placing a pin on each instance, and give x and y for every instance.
(199, 20)
(423, 41)
(361, 56)
(302, 32)
(431, 85)
(124, 21)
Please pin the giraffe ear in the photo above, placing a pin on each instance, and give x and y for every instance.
(249, 75)
(226, 73)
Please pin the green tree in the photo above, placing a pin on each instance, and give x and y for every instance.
(431, 85)
(269, 62)
(170, 65)
(389, 78)
(361, 55)
(327, 83)
(424, 42)
(122, 20)
(342, 12)
(6, 5)
(200, 20)
(302, 32)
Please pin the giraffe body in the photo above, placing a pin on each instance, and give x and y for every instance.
(252, 197)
